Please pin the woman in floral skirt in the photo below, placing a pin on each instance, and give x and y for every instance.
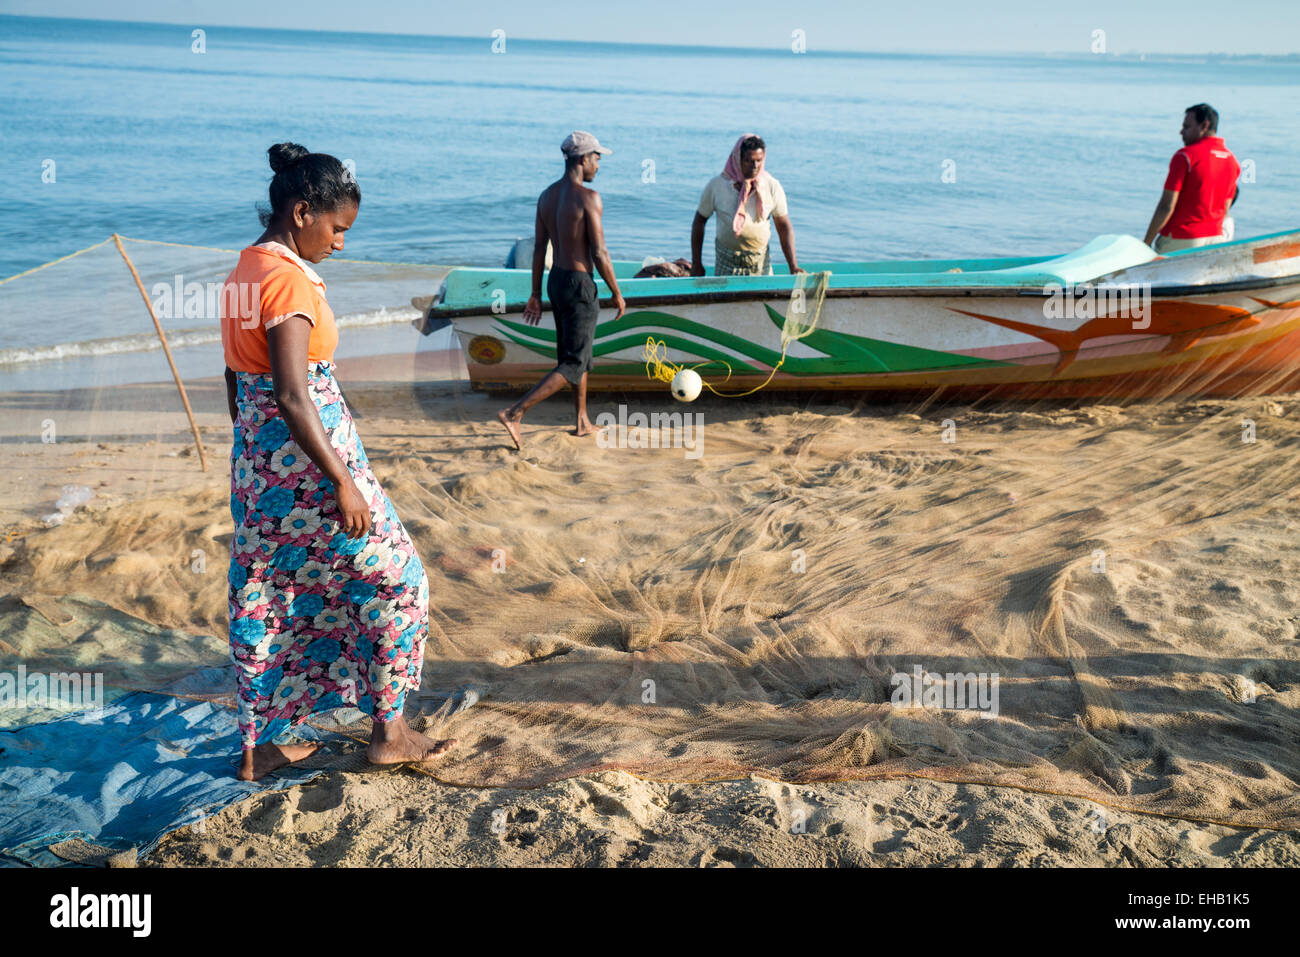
(328, 599)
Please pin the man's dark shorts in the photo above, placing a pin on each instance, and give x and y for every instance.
(573, 301)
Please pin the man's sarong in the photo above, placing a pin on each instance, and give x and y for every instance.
(1166, 244)
(734, 262)
(572, 294)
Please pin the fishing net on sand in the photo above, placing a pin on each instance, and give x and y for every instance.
(1123, 572)
(804, 591)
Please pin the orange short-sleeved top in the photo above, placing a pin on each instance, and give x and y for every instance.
(266, 287)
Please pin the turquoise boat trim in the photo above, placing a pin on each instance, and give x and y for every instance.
(471, 289)
(1233, 242)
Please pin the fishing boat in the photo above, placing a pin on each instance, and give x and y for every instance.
(1112, 318)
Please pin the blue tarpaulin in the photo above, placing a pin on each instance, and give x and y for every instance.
(124, 776)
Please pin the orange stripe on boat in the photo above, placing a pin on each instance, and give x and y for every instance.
(1269, 254)
(1184, 322)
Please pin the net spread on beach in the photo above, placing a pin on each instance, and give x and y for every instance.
(1110, 582)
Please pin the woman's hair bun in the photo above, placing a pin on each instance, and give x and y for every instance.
(316, 178)
(284, 155)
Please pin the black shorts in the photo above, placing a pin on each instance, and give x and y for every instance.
(573, 302)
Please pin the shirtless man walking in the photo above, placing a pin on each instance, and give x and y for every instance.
(568, 216)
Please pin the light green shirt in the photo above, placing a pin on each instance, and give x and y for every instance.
(722, 197)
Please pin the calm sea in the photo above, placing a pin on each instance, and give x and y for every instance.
(882, 156)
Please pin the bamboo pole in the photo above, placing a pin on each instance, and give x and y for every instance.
(180, 386)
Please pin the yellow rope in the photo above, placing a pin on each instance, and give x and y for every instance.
(371, 262)
(55, 261)
(216, 249)
(159, 242)
(658, 367)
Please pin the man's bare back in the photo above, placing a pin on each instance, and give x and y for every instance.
(565, 212)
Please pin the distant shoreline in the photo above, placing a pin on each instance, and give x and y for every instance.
(552, 42)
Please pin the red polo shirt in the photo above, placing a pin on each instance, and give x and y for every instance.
(1205, 176)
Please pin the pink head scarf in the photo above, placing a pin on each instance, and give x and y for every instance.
(744, 186)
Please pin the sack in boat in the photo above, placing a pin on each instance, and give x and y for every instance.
(665, 270)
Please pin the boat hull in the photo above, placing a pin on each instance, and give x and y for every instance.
(1148, 331)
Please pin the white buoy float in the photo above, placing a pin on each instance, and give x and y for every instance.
(686, 385)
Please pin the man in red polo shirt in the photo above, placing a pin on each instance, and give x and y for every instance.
(1200, 187)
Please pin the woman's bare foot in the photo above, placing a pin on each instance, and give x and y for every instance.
(265, 758)
(584, 427)
(511, 422)
(396, 742)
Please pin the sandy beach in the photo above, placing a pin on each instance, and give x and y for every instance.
(691, 659)
(612, 819)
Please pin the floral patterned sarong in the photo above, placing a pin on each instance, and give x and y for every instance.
(318, 621)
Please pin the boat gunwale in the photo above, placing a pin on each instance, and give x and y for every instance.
(867, 292)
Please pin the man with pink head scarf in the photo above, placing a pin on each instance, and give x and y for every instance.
(744, 195)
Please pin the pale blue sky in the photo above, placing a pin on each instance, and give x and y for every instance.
(1028, 26)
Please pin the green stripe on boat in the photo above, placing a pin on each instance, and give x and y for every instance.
(842, 353)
